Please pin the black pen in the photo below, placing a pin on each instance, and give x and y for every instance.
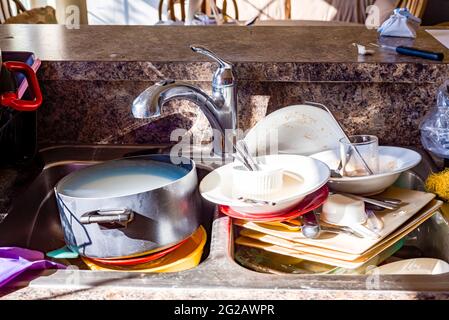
(414, 52)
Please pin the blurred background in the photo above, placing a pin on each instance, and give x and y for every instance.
(150, 12)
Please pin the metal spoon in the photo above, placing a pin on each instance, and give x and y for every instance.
(244, 161)
(312, 229)
(242, 148)
(336, 173)
(256, 202)
(374, 222)
(376, 202)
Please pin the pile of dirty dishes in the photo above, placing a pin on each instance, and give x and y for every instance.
(361, 222)
(355, 239)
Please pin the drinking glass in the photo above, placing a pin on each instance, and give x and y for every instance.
(368, 148)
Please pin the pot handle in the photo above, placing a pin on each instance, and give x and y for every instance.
(109, 218)
(11, 99)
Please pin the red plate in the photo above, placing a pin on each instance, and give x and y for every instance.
(138, 260)
(310, 202)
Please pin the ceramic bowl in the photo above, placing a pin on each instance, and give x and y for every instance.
(392, 162)
(218, 186)
(256, 184)
(343, 211)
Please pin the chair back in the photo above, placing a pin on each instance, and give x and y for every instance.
(10, 8)
(416, 7)
(205, 7)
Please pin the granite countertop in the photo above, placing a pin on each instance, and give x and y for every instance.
(263, 53)
(311, 44)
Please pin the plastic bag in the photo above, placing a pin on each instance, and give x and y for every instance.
(435, 126)
(15, 261)
(400, 24)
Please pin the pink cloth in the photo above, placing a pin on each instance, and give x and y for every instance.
(14, 261)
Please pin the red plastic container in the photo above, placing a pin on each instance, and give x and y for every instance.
(18, 141)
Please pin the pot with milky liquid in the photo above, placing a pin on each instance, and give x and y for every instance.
(129, 207)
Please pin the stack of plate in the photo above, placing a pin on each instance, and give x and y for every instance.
(183, 256)
(344, 250)
(312, 131)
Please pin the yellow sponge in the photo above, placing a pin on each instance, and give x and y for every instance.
(438, 183)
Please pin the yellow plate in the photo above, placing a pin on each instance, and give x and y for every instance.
(187, 256)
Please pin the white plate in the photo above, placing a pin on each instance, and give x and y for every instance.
(217, 186)
(392, 162)
(298, 129)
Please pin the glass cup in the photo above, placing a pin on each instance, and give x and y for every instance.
(368, 148)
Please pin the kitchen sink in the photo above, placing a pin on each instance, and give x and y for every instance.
(33, 222)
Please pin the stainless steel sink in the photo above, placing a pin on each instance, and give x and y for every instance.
(34, 222)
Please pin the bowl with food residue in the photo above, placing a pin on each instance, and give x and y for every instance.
(392, 162)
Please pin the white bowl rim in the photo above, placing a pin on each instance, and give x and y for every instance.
(379, 175)
(280, 202)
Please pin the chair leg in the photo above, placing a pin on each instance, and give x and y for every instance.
(183, 10)
(288, 9)
(161, 4)
(224, 10)
(171, 5)
(236, 9)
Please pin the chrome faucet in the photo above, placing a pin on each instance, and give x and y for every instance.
(220, 108)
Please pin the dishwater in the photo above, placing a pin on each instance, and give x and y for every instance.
(121, 178)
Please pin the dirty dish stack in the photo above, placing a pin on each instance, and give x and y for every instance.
(138, 213)
(353, 231)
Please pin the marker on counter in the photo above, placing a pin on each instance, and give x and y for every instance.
(413, 52)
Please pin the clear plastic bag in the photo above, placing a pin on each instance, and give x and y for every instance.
(401, 24)
(435, 126)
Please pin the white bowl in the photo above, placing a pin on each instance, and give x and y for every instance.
(341, 210)
(257, 184)
(217, 186)
(392, 162)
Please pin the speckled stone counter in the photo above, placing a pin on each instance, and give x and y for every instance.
(91, 75)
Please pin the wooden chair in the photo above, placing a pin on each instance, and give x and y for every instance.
(288, 9)
(171, 9)
(205, 7)
(7, 11)
(224, 10)
(416, 7)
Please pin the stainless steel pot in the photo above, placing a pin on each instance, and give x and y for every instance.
(127, 222)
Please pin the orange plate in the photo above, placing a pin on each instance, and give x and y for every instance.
(139, 260)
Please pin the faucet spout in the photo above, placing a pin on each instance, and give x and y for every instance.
(220, 108)
(149, 104)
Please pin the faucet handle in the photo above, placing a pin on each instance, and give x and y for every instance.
(212, 55)
(223, 76)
